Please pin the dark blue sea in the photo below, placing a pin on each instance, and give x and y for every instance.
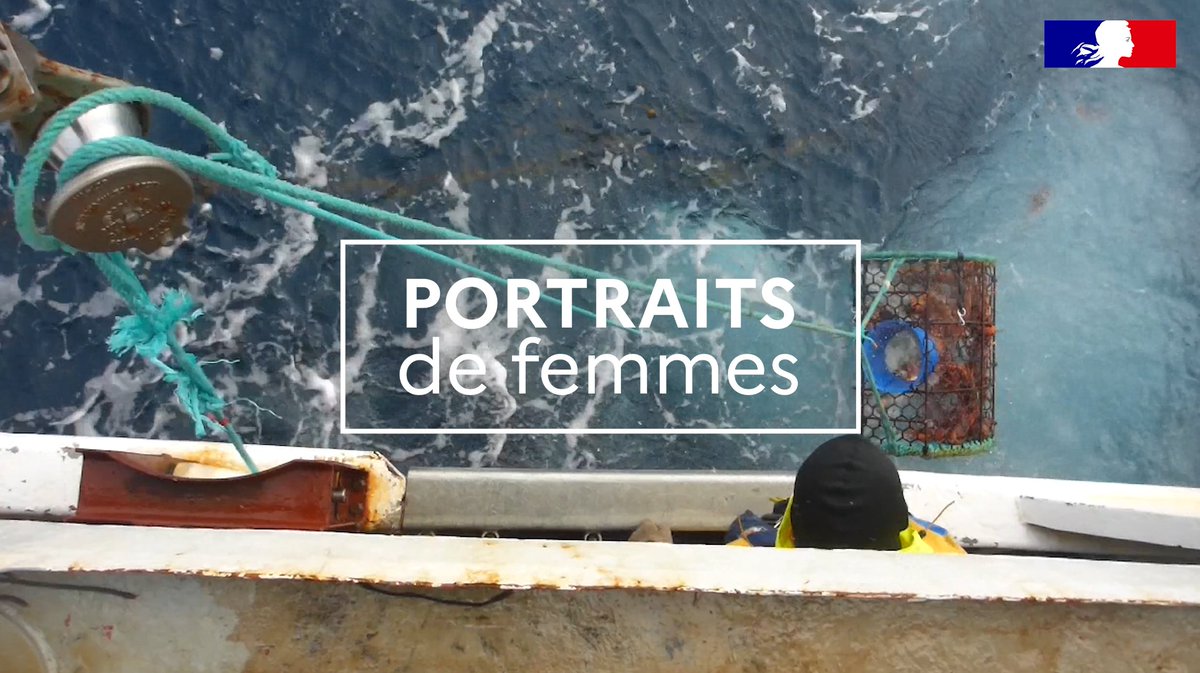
(914, 124)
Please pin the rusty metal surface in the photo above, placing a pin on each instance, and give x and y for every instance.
(131, 488)
(954, 303)
(426, 561)
(40, 474)
(209, 625)
(57, 86)
(18, 64)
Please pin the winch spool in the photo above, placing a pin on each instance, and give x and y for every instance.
(120, 203)
(115, 205)
(929, 356)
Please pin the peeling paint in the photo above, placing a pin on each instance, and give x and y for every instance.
(424, 562)
(202, 625)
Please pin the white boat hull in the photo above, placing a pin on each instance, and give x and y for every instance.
(132, 599)
(202, 600)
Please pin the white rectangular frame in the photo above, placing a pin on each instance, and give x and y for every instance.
(345, 428)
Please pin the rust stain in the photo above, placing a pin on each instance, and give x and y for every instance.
(1091, 114)
(212, 455)
(1038, 200)
(131, 488)
(375, 499)
(483, 577)
(338, 628)
(617, 583)
(379, 501)
(56, 69)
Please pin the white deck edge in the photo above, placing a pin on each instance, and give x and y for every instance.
(39, 478)
(424, 561)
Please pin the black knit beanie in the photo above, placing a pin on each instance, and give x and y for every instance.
(848, 496)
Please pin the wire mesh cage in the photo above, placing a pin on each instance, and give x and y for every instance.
(929, 363)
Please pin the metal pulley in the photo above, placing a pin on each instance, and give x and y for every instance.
(117, 204)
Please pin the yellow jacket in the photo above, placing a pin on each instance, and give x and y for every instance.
(921, 537)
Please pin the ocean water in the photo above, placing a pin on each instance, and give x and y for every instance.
(918, 124)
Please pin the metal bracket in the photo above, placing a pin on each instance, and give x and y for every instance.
(118, 204)
(132, 488)
(18, 62)
(33, 88)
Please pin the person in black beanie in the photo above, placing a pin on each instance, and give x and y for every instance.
(847, 495)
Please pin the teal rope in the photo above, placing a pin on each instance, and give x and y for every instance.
(150, 330)
(943, 255)
(297, 197)
(257, 176)
(306, 207)
(887, 283)
(939, 450)
(890, 443)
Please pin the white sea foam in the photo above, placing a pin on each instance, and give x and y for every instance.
(442, 107)
(459, 215)
(39, 11)
(310, 162)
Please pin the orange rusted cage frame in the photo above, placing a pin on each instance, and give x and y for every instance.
(952, 298)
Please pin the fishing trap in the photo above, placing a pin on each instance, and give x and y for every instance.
(929, 361)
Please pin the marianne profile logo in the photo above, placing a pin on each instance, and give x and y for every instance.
(1110, 44)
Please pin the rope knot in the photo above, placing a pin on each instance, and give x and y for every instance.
(240, 155)
(196, 400)
(147, 331)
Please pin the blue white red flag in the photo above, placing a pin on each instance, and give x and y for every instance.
(1110, 44)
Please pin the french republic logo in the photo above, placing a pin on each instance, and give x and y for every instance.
(1110, 44)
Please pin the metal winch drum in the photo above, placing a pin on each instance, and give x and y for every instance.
(120, 203)
(115, 205)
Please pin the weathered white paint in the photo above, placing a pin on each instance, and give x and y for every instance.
(265, 601)
(985, 513)
(1118, 520)
(179, 626)
(419, 560)
(186, 624)
(39, 478)
(210, 601)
